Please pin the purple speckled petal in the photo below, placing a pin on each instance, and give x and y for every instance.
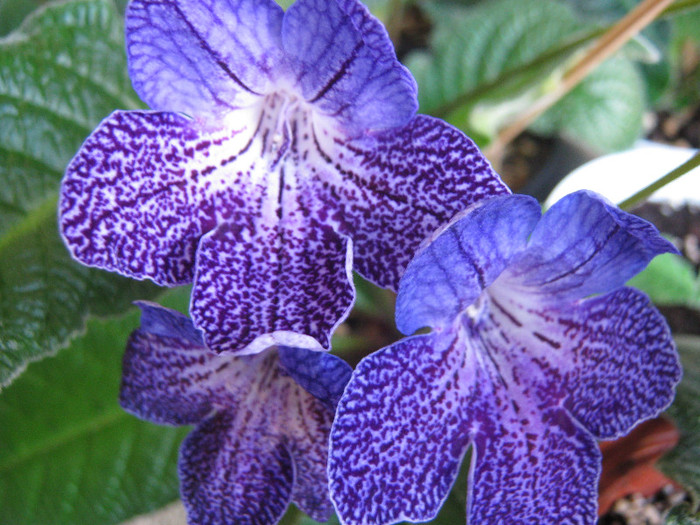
(610, 359)
(628, 363)
(231, 476)
(528, 469)
(400, 431)
(345, 66)
(452, 271)
(322, 375)
(389, 192)
(584, 245)
(203, 57)
(263, 285)
(168, 375)
(306, 428)
(142, 190)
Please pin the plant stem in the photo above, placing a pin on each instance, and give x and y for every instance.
(684, 168)
(613, 39)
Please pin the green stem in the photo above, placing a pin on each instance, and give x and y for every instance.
(684, 168)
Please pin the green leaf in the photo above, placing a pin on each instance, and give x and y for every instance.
(60, 74)
(605, 110)
(683, 462)
(12, 12)
(489, 63)
(68, 453)
(496, 51)
(669, 280)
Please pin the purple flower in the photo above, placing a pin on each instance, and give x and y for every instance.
(536, 350)
(281, 147)
(263, 421)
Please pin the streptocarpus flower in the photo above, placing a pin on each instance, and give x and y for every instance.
(263, 421)
(279, 145)
(536, 350)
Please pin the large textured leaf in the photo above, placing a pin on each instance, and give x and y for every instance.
(490, 62)
(60, 74)
(683, 462)
(605, 110)
(496, 50)
(68, 453)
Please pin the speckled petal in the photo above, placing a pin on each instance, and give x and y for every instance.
(610, 359)
(628, 363)
(262, 285)
(537, 470)
(451, 272)
(389, 192)
(203, 57)
(584, 245)
(345, 66)
(234, 477)
(322, 375)
(142, 190)
(306, 428)
(168, 375)
(400, 432)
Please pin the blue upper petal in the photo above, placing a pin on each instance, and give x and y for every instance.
(343, 62)
(584, 245)
(201, 57)
(322, 375)
(453, 270)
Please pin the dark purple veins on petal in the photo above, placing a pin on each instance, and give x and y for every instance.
(454, 269)
(400, 432)
(389, 192)
(140, 193)
(261, 438)
(229, 478)
(286, 284)
(204, 57)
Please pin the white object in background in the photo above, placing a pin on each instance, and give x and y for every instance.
(621, 175)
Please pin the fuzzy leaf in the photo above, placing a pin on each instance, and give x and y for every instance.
(489, 63)
(490, 53)
(605, 110)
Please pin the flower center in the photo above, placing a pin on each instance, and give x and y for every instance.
(285, 119)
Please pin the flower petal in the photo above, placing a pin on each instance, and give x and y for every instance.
(322, 375)
(306, 428)
(399, 434)
(230, 476)
(629, 364)
(203, 57)
(142, 190)
(344, 64)
(584, 245)
(451, 272)
(263, 285)
(168, 375)
(533, 471)
(610, 360)
(389, 192)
